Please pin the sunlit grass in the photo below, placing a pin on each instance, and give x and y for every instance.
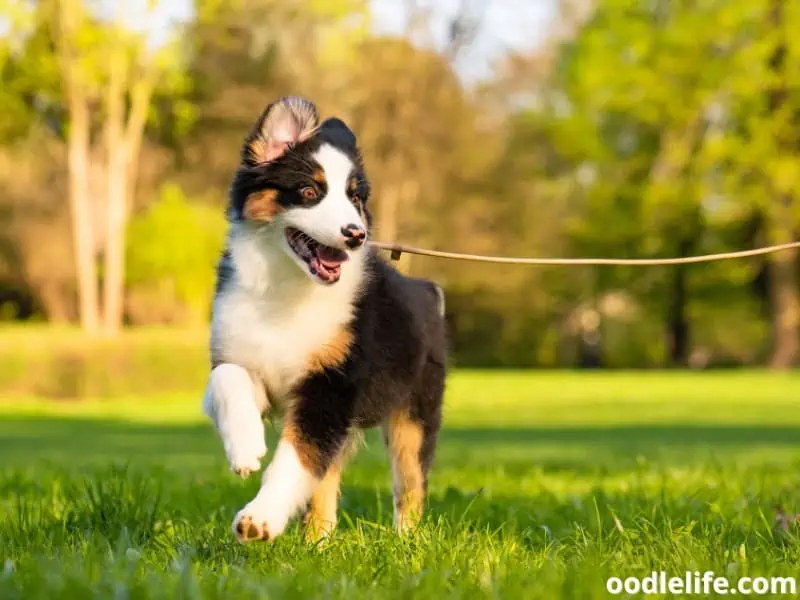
(545, 485)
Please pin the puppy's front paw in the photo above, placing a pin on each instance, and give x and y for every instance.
(245, 447)
(242, 432)
(255, 523)
(247, 530)
(236, 406)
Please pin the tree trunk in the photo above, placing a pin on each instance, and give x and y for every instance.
(784, 292)
(117, 190)
(114, 274)
(785, 310)
(677, 318)
(678, 322)
(82, 233)
(784, 300)
(124, 132)
(78, 167)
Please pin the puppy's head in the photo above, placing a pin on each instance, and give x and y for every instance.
(306, 181)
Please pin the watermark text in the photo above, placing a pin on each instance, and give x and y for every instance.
(695, 582)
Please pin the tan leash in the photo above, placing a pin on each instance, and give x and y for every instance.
(398, 249)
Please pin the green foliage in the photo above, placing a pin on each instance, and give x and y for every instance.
(659, 135)
(173, 248)
(30, 90)
(654, 129)
(544, 485)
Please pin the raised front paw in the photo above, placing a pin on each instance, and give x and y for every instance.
(245, 449)
(234, 404)
(255, 523)
(242, 432)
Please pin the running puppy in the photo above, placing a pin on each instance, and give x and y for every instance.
(311, 324)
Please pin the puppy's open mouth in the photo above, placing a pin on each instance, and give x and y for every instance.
(324, 262)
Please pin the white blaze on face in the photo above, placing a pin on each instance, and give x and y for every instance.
(325, 220)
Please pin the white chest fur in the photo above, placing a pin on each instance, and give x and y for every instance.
(270, 317)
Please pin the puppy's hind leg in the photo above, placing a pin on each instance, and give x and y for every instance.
(404, 436)
(411, 436)
(235, 405)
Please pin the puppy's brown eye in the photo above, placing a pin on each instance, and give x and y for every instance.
(308, 193)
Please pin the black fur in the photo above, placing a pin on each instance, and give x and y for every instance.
(397, 362)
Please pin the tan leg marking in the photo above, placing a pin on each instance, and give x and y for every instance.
(405, 440)
(321, 516)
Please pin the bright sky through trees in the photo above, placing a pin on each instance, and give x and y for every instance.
(505, 25)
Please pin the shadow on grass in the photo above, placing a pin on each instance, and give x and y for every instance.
(639, 437)
(72, 442)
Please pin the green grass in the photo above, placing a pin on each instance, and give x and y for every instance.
(545, 485)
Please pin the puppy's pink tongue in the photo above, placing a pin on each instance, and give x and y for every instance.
(326, 273)
(331, 257)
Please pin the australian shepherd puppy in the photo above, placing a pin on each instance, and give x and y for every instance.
(309, 323)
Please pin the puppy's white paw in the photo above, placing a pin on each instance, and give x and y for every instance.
(245, 445)
(233, 404)
(258, 522)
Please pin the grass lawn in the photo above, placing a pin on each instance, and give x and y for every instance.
(545, 485)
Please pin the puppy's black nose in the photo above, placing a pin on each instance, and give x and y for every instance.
(354, 235)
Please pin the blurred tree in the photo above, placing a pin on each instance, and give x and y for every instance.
(104, 75)
(109, 71)
(635, 129)
(417, 131)
(244, 54)
(71, 33)
(660, 135)
(34, 276)
(133, 67)
(172, 249)
(418, 125)
(783, 175)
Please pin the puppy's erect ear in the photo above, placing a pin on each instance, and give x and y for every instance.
(337, 129)
(286, 122)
